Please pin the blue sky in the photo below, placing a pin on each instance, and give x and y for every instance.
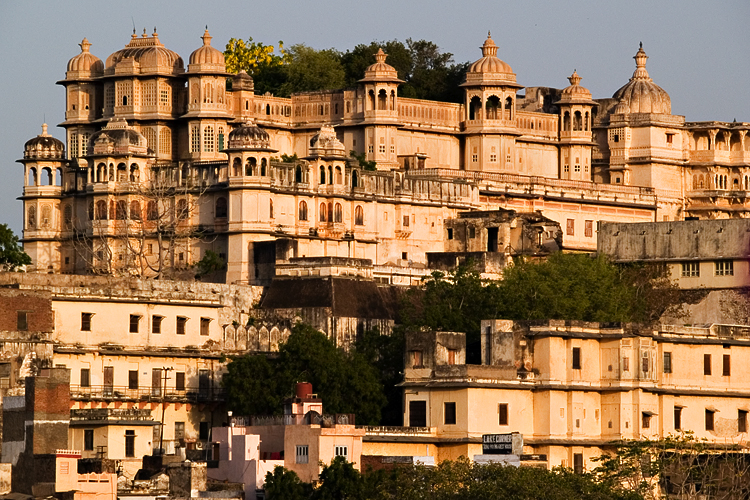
(697, 50)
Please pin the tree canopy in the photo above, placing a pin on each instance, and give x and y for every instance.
(346, 382)
(12, 256)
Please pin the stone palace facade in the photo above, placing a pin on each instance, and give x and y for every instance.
(163, 163)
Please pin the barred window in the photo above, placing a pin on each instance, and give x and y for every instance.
(208, 139)
(73, 148)
(85, 143)
(195, 139)
(724, 268)
(691, 269)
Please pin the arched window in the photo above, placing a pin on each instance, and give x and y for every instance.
(121, 210)
(250, 166)
(330, 175)
(382, 99)
(101, 210)
(134, 173)
(32, 177)
(46, 218)
(221, 208)
(338, 213)
(152, 211)
(330, 212)
(348, 107)
(322, 174)
(46, 176)
(577, 122)
(91, 210)
(195, 92)
(111, 172)
(475, 108)
(237, 167)
(355, 179)
(298, 174)
(323, 213)
(566, 121)
(68, 216)
(302, 210)
(339, 176)
(393, 100)
(270, 208)
(135, 210)
(509, 108)
(31, 218)
(263, 164)
(182, 209)
(359, 216)
(493, 102)
(371, 99)
(586, 122)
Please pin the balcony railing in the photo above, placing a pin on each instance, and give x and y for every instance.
(312, 418)
(154, 394)
(129, 414)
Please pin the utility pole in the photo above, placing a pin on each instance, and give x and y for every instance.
(164, 370)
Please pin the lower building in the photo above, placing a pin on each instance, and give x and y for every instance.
(571, 388)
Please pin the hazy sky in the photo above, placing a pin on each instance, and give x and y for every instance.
(698, 50)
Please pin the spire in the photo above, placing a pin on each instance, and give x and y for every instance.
(489, 48)
(640, 64)
(206, 37)
(84, 45)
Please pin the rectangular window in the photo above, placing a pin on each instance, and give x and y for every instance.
(130, 444)
(181, 322)
(179, 430)
(452, 356)
(709, 420)
(22, 321)
(203, 431)
(588, 229)
(449, 414)
(417, 413)
(677, 418)
(381, 149)
(302, 455)
(133, 379)
(450, 233)
(726, 367)
(691, 269)
(724, 268)
(134, 321)
(156, 324)
(416, 359)
(571, 227)
(645, 420)
(86, 321)
(195, 139)
(370, 149)
(741, 420)
(576, 358)
(205, 322)
(88, 439)
(406, 221)
(706, 364)
(474, 158)
(341, 451)
(626, 364)
(179, 381)
(644, 364)
(502, 411)
(85, 377)
(493, 158)
(667, 362)
(578, 463)
(670, 138)
(472, 233)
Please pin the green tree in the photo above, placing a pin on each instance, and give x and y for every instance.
(252, 56)
(284, 484)
(310, 69)
(363, 161)
(346, 382)
(12, 256)
(340, 480)
(209, 264)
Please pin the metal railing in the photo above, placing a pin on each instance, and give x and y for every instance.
(189, 394)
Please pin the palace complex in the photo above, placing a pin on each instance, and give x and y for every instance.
(163, 163)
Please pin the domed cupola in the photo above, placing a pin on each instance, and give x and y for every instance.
(326, 144)
(575, 93)
(641, 94)
(249, 136)
(489, 70)
(44, 147)
(117, 138)
(381, 71)
(84, 64)
(206, 59)
(144, 55)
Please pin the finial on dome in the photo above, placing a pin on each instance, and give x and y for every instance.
(489, 48)
(144, 33)
(380, 55)
(640, 63)
(489, 34)
(44, 130)
(640, 44)
(574, 79)
(155, 35)
(206, 37)
(84, 45)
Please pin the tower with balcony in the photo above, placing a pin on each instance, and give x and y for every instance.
(490, 113)
(576, 143)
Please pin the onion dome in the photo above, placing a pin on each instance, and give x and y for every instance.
(641, 94)
(44, 146)
(145, 54)
(206, 58)
(575, 93)
(381, 71)
(490, 70)
(249, 136)
(85, 63)
(325, 143)
(117, 138)
(242, 81)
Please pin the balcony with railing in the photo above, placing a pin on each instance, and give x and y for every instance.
(200, 394)
(311, 418)
(131, 416)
